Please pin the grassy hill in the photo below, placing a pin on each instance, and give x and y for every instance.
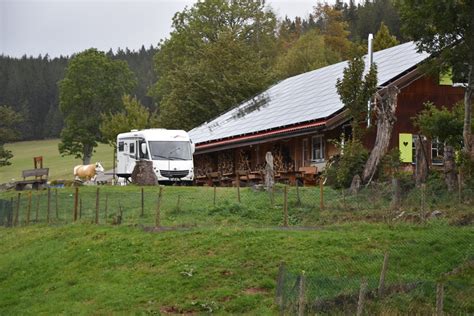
(59, 167)
(85, 269)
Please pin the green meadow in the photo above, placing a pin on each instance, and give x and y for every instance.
(87, 269)
(219, 250)
(60, 168)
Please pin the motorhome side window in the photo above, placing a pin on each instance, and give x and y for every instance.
(132, 148)
(143, 154)
(120, 146)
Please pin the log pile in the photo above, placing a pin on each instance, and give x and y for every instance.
(203, 165)
(244, 160)
(225, 162)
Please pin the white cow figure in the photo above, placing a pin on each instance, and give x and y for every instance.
(88, 172)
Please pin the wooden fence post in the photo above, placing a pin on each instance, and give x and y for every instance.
(48, 211)
(38, 198)
(106, 206)
(17, 210)
(423, 188)
(439, 299)
(382, 275)
(178, 203)
(143, 203)
(97, 194)
(80, 208)
(321, 193)
(344, 206)
(215, 193)
(362, 292)
(56, 198)
(272, 196)
(158, 205)
(395, 203)
(285, 207)
(11, 217)
(76, 200)
(301, 295)
(28, 212)
(280, 285)
(298, 199)
(460, 187)
(238, 188)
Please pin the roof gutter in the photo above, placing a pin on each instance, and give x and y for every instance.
(240, 139)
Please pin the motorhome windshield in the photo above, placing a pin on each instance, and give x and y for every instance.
(166, 150)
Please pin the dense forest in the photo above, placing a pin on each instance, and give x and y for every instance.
(274, 49)
(30, 86)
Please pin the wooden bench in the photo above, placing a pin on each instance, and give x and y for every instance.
(201, 180)
(310, 174)
(37, 182)
(214, 178)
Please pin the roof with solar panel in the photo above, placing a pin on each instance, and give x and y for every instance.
(307, 97)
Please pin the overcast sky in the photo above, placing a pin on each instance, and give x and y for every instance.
(63, 27)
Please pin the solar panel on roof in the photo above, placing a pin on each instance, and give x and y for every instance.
(305, 97)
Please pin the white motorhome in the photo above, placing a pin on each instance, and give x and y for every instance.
(170, 150)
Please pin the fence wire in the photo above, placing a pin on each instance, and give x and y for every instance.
(206, 206)
(328, 288)
(335, 288)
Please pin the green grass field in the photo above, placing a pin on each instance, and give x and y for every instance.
(59, 167)
(223, 257)
(84, 269)
(216, 254)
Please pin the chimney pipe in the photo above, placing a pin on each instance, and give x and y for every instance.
(370, 56)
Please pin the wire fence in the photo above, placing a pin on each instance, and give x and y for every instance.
(372, 282)
(376, 283)
(283, 205)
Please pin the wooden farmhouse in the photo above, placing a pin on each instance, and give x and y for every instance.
(297, 118)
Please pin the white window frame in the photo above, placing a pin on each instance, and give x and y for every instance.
(322, 148)
(439, 148)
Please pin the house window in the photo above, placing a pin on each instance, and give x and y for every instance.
(317, 148)
(424, 150)
(305, 151)
(347, 130)
(437, 152)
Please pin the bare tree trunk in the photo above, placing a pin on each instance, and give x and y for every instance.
(467, 135)
(86, 154)
(421, 170)
(385, 109)
(449, 168)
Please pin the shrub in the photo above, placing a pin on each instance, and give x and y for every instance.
(351, 162)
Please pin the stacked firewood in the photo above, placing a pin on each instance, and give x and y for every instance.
(244, 160)
(203, 165)
(225, 162)
(277, 159)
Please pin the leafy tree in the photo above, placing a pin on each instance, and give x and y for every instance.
(330, 22)
(346, 166)
(442, 123)
(446, 30)
(134, 116)
(383, 39)
(446, 126)
(218, 55)
(94, 84)
(308, 53)
(355, 90)
(8, 132)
